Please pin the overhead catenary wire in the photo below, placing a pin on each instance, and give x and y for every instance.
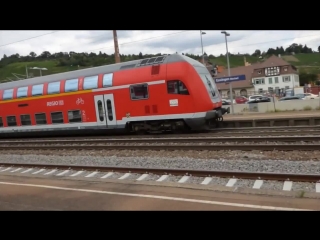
(167, 35)
(7, 44)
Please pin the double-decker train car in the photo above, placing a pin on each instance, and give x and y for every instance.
(157, 94)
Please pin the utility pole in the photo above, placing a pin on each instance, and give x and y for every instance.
(116, 47)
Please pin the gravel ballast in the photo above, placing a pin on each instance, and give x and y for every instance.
(204, 160)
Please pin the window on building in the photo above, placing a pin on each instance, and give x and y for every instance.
(22, 92)
(139, 91)
(74, 116)
(37, 90)
(11, 121)
(1, 122)
(259, 81)
(107, 80)
(54, 87)
(276, 80)
(286, 79)
(272, 71)
(56, 117)
(177, 87)
(25, 120)
(41, 118)
(270, 80)
(90, 82)
(260, 91)
(71, 85)
(7, 94)
(270, 90)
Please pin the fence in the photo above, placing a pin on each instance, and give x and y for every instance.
(277, 106)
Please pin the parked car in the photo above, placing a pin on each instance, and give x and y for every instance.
(254, 97)
(301, 96)
(307, 96)
(224, 102)
(260, 100)
(290, 98)
(241, 100)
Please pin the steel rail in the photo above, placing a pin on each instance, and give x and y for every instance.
(218, 147)
(171, 140)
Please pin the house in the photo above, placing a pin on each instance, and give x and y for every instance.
(272, 75)
(239, 88)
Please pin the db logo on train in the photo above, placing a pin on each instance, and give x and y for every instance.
(79, 101)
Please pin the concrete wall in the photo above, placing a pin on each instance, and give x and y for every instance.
(291, 105)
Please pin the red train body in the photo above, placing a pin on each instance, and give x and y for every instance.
(157, 94)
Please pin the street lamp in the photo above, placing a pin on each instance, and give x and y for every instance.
(39, 69)
(230, 83)
(202, 33)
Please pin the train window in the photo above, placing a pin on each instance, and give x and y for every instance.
(100, 109)
(56, 117)
(37, 90)
(11, 121)
(207, 80)
(25, 120)
(22, 92)
(1, 122)
(90, 82)
(54, 87)
(109, 108)
(177, 87)
(41, 118)
(74, 116)
(139, 91)
(71, 85)
(7, 94)
(107, 80)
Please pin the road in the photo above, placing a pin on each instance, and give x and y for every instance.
(21, 193)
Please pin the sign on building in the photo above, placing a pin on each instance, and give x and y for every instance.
(231, 79)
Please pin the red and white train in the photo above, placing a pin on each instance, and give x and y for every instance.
(156, 94)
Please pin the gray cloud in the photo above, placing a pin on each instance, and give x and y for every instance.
(133, 42)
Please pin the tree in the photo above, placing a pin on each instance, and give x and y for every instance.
(319, 49)
(32, 54)
(306, 78)
(140, 55)
(45, 54)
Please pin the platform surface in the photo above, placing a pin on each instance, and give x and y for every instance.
(291, 114)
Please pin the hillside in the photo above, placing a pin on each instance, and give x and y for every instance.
(305, 62)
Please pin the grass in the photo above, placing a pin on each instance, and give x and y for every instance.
(20, 68)
(307, 108)
(309, 63)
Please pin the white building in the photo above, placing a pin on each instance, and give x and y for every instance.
(274, 75)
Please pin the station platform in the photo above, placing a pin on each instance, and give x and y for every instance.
(276, 119)
(289, 114)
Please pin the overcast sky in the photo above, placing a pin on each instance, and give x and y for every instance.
(151, 42)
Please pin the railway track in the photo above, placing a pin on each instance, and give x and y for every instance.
(204, 147)
(160, 171)
(168, 140)
(226, 132)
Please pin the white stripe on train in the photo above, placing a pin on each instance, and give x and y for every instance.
(128, 85)
(120, 123)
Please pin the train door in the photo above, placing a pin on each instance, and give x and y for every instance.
(105, 110)
(100, 110)
(110, 110)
